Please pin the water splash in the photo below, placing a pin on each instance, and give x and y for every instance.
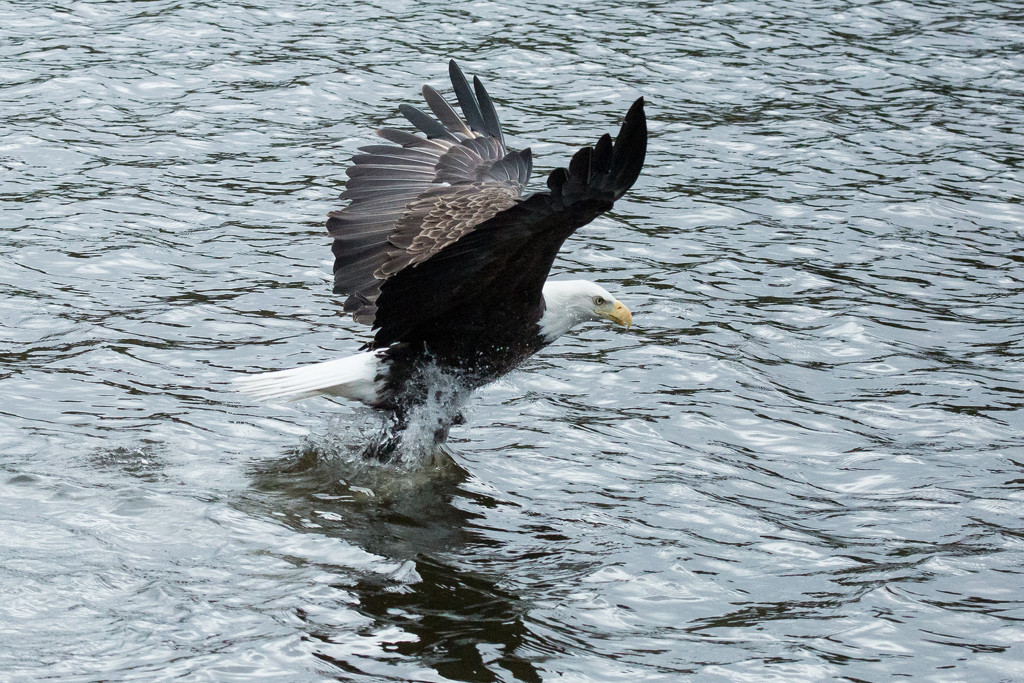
(427, 424)
(369, 454)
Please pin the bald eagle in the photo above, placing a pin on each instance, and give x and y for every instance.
(442, 255)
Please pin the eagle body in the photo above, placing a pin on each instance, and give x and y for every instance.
(439, 252)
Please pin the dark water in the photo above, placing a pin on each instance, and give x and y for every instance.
(806, 460)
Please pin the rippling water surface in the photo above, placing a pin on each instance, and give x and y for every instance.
(805, 460)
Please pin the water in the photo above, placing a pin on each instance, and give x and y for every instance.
(803, 462)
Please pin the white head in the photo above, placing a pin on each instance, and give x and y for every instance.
(571, 302)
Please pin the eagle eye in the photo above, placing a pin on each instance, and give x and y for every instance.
(599, 301)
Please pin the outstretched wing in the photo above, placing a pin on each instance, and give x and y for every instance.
(409, 200)
(499, 268)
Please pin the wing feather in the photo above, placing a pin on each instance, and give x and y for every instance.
(432, 128)
(490, 117)
(408, 140)
(467, 101)
(445, 114)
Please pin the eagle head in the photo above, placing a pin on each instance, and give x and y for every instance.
(571, 302)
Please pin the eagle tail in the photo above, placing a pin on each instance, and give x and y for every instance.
(353, 377)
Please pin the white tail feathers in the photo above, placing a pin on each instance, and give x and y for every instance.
(353, 377)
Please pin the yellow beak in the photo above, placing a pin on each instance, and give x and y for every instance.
(620, 314)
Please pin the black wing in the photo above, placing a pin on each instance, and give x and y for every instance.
(506, 259)
(411, 199)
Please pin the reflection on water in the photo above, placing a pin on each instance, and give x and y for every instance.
(803, 461)
(457, 621)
